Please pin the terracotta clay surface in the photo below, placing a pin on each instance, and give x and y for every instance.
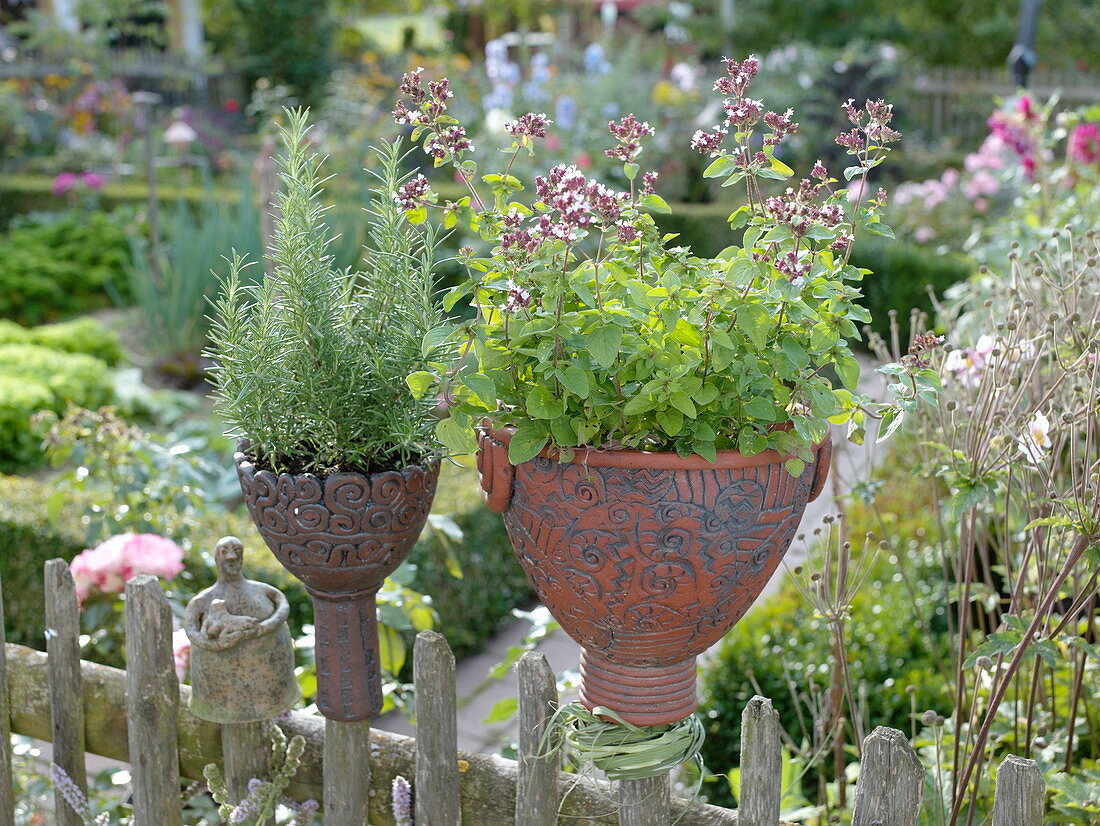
(647, 559)
(342, 536)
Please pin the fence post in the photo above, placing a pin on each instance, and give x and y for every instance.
(66, 692)
(246, 750)
(152, 704)
(1020, 793)
(644, 802)
(7, 793)
(761, 764)
(891, 781)
(347, 772)
(537, 793)
(436, 788)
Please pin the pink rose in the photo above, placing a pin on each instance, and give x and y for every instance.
(181, 653)
(107, 567)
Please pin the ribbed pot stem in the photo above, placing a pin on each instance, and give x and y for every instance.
(349, 673)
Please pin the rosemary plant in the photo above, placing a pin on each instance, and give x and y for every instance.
(312, 360)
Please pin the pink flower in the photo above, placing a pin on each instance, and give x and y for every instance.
(107, 567)
(1084, 143)
(92, 181)
(63, 183)
(181, 653)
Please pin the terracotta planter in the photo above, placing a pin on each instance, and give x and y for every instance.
(647, 559)
(341, 536)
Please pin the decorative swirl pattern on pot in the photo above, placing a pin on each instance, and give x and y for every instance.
(345, 532)
(646, 567)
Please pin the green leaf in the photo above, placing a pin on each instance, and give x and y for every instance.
(847, 367)
(542, 405)
(682, 402)
(750, 442)
(391, 649)
(503, 709)
(630, 170)
(823, 337)
(417, 216)
(719, 167)
(483, 386)
(670, 421)
(756, 323)
(781, 168)
(877, 228)
(530, 437)
(891, 421)
(419, 382)
(739, 218)
(455, 437)
(705, 449)
(575, 380)
(851, 172)
(685, 333)
(795, 466)
(604, 344)
(760, 408)
(656, 203)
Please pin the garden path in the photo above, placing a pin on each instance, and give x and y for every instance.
(478, 694)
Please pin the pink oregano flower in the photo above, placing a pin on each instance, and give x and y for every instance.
(107, 567)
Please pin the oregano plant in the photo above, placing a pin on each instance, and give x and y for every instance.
(594, 329)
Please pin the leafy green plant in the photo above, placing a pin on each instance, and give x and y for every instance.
(633, 343)
(311, 363)
(81, 335)
(173, 291)
(60, 266)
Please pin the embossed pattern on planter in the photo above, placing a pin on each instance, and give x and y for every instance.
(341, 536)
(646, 567)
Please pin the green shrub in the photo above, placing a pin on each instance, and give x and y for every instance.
(62, 267)
(34, 378)
(81, 335)
(471, 609)
(901, 276)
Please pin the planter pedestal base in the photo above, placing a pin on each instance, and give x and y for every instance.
(645, 695)
(349, 674)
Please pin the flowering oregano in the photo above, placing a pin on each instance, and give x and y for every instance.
(594, 330)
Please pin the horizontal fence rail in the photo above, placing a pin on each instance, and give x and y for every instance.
(141, 716)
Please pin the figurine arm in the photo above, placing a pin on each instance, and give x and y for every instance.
(281, 611)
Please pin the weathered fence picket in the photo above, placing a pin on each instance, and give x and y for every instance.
(761, 764)
(152, 704)
(1020, 793)
(891, 781)
(347, 772)
(66, 693)
(437, 776)
(537, 795)
(7, 792)
(247, 750)
(141, 716)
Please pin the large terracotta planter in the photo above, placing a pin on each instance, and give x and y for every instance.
(341, 536)
(647, 559)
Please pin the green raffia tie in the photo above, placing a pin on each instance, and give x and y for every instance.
(624, 751)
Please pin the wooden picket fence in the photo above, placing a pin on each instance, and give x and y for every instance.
(140, 716)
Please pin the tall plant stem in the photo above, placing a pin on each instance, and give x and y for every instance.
(1083, 543)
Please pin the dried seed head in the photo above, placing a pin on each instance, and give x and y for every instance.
(984, 663)
(929, 718)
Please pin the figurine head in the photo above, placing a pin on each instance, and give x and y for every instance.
(229, 557)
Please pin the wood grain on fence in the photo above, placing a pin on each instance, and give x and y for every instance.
(152, 704)
(761, 764)
(891, 781)
(1020, 793)
(347, 773)
(644, 802)
(537, 794)
(66, 692)
(7, 794)
(437, 778)
(247, 754)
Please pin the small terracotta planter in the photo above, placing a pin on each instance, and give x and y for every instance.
(647, 559)
(341, 536)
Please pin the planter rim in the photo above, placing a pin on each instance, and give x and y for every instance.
(244, 444)
(657, 460)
